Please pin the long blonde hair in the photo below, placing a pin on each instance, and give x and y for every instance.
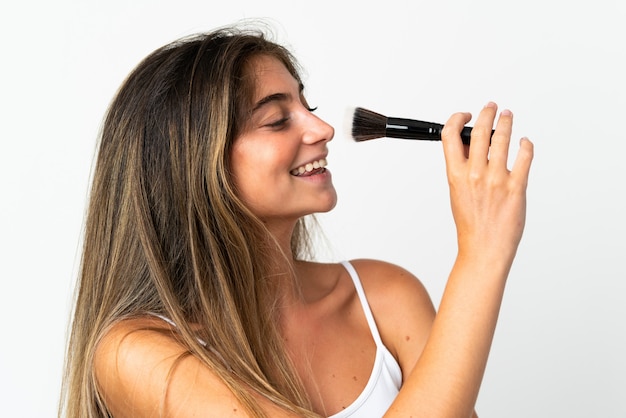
(166, 233)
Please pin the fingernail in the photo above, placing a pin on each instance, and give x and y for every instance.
(507, 112)
(491, 104)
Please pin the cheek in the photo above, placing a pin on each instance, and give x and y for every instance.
(261, 159)
(244, 162)
(256, 169)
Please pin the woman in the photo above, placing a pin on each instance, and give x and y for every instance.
(195, 295)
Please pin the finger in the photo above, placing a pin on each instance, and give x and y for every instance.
(499, 151)
(521, 166)
(451, 138)
(481, 135)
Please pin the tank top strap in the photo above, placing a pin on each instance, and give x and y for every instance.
(364, 303)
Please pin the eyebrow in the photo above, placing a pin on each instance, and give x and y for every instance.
(276, 97)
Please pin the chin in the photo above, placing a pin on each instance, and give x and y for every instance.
(332, 205)
(330, 202)
(327, 208)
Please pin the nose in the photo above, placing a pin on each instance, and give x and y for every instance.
(317, 130)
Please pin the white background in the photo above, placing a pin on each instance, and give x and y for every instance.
(559, 66)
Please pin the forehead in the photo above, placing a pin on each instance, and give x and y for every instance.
(270, 75)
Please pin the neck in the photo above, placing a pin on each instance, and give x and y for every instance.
(284, 264)
(281, 232)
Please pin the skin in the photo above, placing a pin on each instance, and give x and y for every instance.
(323, 325)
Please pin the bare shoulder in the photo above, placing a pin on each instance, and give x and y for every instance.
(388, 284)
(143, 371)
(401, 306)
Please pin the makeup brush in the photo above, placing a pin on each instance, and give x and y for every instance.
(367, 125)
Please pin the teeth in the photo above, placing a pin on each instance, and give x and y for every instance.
(307, 168)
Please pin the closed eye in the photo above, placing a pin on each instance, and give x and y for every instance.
(279, 123)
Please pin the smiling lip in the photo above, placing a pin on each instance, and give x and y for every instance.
(311, 168)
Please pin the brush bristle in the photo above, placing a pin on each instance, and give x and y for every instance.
(367, 125)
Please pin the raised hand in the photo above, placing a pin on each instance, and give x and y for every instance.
(488, 200)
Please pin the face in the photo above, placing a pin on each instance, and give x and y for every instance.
(279, 162)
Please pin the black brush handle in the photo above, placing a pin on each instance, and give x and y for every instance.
(417, 129)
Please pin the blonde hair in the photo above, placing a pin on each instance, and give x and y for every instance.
(166, 233)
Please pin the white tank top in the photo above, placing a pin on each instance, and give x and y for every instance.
(386, 378)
